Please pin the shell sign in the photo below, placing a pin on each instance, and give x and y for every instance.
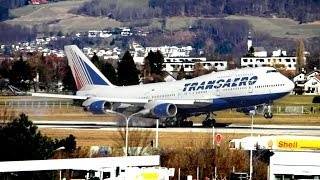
(297, 144)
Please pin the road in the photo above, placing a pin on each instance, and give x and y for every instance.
(232, 129)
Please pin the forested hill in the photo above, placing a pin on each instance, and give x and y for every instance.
(300, 10)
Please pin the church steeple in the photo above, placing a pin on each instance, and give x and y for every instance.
(249, 43)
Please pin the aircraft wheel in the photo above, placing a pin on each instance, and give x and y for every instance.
(211, 122)
(173, 123)
(183, 123)
(204, 123)
(190, 123)
(268, 115)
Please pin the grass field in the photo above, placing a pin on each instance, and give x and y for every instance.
(281, 27)
(56, 16)
(108, 138)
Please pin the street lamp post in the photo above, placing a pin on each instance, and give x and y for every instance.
(252, 113)
(60, 149)
(127, 123)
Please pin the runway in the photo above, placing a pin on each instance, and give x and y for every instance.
(232, 129)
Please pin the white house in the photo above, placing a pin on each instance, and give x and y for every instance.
(312, 86)
(312, 74)
(278, 53)
(299, 78)
(105, 34)
(260, 52)
(93, 33)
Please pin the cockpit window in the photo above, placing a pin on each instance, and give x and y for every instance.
(272, 71)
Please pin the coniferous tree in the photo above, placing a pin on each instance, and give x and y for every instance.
(155, 61)
(127, 71)
(181, 73)
(68, 81)
(21, 140)
(109, 72)
(153, 67)
(95, 60)
(21, 74)
(5, 68)
(23, 135)
(46, 71)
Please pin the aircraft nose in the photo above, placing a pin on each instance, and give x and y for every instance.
(290, 85)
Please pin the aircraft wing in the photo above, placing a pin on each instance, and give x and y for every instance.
(62, 96)
(119, 100)
(132, 101)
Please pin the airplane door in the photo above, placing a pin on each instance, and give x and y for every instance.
(150, 94)
(250, 88)
(179, 95)
(217, 91)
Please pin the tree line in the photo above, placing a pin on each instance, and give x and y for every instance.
(15, 33)
(301, 10)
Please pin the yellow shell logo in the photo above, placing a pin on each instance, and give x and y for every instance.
(270, 143)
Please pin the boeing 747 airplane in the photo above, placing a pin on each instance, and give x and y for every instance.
(174, 102)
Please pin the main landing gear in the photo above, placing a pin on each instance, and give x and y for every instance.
(208, 122)
(176, 122)
(268, 111)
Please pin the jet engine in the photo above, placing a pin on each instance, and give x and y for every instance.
(99, 107)
(164, 110)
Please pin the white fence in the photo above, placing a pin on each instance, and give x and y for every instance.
(40, 104)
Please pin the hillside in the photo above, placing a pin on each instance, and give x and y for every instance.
(219, 35)
(57, 17)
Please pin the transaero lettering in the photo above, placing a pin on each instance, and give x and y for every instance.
(220, 83)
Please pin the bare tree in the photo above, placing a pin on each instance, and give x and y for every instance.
(138, 141)
(200, 153)
(6, 115)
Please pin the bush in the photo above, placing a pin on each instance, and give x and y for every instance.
(316, 99)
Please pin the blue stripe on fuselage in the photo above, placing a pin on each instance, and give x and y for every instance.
(233, 102)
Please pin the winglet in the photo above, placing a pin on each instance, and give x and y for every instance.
(83, 70)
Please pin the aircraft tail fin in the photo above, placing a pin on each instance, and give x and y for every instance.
(83, 70)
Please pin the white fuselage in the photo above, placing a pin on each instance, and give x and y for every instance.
(236, 88)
